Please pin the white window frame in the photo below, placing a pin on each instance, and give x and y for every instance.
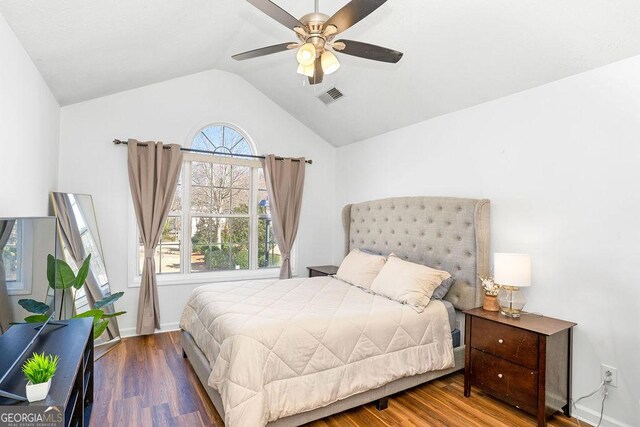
(188, 278)
(22, 286)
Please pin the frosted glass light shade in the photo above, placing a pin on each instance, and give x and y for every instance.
(306, 54)
(329, 62)
(306, 70)
(512, 269)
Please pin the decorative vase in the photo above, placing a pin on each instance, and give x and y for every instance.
(36, 392)
(490, 303)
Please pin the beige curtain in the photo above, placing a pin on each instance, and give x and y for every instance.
(285, 182)
(153, 177)
(6, 226)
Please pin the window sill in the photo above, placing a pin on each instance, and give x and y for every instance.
(204, 278)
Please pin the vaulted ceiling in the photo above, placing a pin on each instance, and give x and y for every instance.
(457, 53)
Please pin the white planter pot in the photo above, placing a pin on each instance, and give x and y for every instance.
(36, 392)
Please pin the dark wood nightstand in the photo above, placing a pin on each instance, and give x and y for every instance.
(322, 270)
(525, 362)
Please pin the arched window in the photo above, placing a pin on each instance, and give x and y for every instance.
(221, 139)
(220, 219)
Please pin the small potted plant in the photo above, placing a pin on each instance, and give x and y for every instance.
(39, 370)
(491, 290)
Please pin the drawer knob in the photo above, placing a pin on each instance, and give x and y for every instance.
(500, 341)
(499, 375)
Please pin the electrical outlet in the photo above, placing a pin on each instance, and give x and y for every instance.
(614, 374)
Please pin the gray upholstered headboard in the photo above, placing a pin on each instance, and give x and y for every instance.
(446, 233)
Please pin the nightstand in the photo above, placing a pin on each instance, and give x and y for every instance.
(525, 362)
(322, 270)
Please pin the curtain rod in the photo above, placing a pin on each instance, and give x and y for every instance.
(193, 150)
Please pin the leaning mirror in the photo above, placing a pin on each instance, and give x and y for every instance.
(81, 250)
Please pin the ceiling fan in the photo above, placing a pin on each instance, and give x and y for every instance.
(316, 33)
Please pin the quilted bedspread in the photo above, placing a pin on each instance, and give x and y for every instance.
(281, 347)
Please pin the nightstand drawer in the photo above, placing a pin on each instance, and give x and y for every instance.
(514, 344)
(514, 383)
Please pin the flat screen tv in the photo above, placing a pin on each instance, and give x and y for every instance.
(26, 245)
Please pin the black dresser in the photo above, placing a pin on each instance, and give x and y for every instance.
(71, 390)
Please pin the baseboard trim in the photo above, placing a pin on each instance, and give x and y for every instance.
(164, 327)
(590, 416)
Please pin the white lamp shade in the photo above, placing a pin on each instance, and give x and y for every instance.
(306, 54)
(512, 269)
(306, 70)
(329, 62)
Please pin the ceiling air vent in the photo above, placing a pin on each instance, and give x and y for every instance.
(330, 96)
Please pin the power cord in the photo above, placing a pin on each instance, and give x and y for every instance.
(605, 391)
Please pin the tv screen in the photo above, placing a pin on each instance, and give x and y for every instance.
(25, 244)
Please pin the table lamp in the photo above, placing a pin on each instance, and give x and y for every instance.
(511, 272)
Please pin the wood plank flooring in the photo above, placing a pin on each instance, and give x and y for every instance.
(145, 382)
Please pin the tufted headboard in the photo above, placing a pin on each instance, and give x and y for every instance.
(446, 233)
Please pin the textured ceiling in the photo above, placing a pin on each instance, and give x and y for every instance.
(457, 53)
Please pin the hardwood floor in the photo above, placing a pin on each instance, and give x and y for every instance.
(145, 382)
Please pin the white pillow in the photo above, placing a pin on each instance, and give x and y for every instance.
(407, 282)
(360, 268)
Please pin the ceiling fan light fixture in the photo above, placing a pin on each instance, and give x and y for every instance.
(329, 62)
(306, 70)
(306, 54)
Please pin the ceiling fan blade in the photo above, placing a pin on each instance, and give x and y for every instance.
(369, 51)
(353, 12)
(263, 51)
(277, 13)
(318, 73)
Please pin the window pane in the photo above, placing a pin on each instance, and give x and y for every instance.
(231, 138)
(263, 203)
(219, 244)
(169, 247)
(221, 203)
(224, 140)
(167, 254)
(262, 183)
(221, 175)
(176, 205)
(201, 174)
(268, 251)
(240, 256)
(11, 255)
(240, 177)
(263, 197)
(240, 201)
(201, 231)
(239, 239)
(201, 200)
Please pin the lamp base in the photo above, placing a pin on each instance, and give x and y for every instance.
(513, 313)
(511, 301)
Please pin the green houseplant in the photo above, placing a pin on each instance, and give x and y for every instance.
(62, 278)
(39, 370)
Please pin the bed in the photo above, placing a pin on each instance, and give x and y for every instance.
(285, 353)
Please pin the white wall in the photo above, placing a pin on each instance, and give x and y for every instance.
(561, 165)
(29, 131)
(170, 112)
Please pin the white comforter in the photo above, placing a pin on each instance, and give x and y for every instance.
(281, 347)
